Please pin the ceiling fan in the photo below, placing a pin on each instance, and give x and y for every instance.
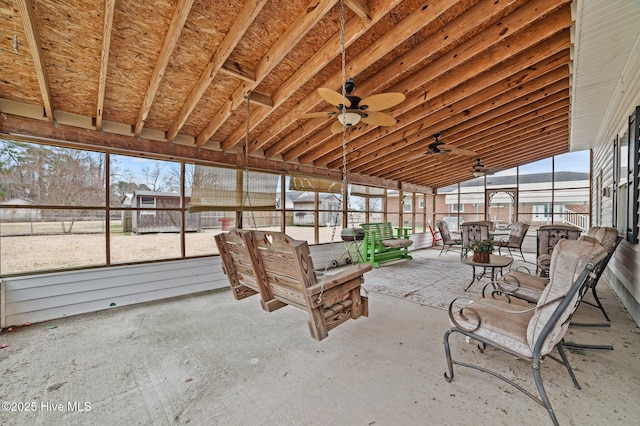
(356, 109)
(437, 147)
(480, 170)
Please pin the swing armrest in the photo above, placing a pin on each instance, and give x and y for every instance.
(334, 280)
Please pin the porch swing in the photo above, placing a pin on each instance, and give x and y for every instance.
(280, 269)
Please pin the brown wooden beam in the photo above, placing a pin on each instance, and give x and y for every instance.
(292, 36)
(453, 62)
(405, 28)
(487, 122)
(40, 131)
(534, 91)
(243, 21)
(168, 45)
(318, 60)
(30, 23)
(109, 6)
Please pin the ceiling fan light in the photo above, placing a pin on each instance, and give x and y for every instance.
(349, 118)
(478, 173)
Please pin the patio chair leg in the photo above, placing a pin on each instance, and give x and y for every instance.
(542, 392)
(447, 350)
(597, 299)
(567, 365)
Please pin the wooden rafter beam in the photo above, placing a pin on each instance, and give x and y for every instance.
(439, 114)
(236, 70)
(455, 94)
(29, 20)
(359, 8)
(459, 68)
(511, 101)
(318, 60)
(529, 148)
(109, 6)
(407, 27)
(300, 27)
(484, 147)
(168, 45)
(440, 175)
(243, 21)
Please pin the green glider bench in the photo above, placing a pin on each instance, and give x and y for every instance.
(382, 244)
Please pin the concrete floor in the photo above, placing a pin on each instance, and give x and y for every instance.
(210, 360)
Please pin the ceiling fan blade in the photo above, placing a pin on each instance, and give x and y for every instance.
(451, 149)
(332, 97)
(382, 101)
(378, 119)
(415, 157)
(336, 127)
(462, 151)
(319, 114)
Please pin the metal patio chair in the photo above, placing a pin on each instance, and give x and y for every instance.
(447, 240)
(529, 333)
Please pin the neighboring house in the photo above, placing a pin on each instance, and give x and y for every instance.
(328, 209)
(151, 221)
(18, 215)
(534, 200)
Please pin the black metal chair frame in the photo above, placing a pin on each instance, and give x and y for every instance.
(447, 243)
(502, 245)
(580, 287)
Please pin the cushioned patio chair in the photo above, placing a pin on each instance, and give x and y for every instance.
(548, 237)
(529, 287)
(529, 333)
(447, 240)
(514, 240)
(474, 231)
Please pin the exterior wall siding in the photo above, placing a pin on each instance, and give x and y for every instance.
(623, 273)
(45, 297)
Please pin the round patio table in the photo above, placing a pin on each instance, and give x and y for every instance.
(495, 262)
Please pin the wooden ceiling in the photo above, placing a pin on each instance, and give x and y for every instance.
(172, 78)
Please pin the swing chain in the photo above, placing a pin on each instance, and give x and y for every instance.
(247, 197)
(344, 189)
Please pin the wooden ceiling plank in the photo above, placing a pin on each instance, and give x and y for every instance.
(488, 134)
(533, 126)
(489, 114)
(463, 174)
(537, 90)
(368, 161)
(359, 8)
(243, 21)
(168, 45)
(29, 21)
(439, 117)
(300, 27)
(466, 96)
(475, 63)
(493, 157)
(316, 62)
(109, 6)
(390, 40)
(539, 146)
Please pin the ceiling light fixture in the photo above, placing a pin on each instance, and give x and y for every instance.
(478, 169)
(349, 118)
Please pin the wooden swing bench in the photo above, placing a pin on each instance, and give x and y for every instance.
(381, 244)
(280, 270)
